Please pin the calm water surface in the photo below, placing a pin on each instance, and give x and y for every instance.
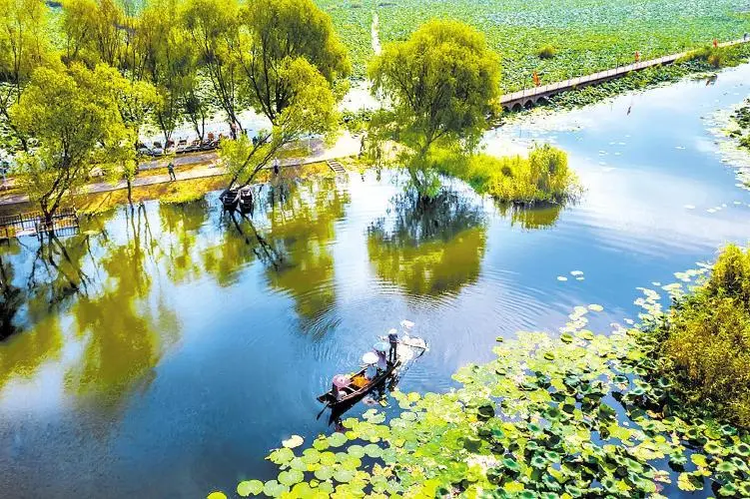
(185, 343)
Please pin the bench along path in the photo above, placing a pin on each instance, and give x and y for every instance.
(531, 96)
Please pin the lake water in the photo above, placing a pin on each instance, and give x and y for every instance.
(183, 343)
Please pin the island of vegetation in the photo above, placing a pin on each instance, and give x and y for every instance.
(740, 125)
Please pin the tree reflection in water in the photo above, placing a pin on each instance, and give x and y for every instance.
(531, 217)
(429, 249)
(301, 222)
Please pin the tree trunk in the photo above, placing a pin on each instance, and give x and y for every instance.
(130, 191)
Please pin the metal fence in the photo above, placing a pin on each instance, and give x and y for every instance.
(64, 222)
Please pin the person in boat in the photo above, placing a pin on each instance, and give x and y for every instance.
(380, 350)
(393, 340)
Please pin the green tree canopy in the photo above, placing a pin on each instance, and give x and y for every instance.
(277, 31)
(443, 84)
(23, 47)
(73, 116)
(213, 26)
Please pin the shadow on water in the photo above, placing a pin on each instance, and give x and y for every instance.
(430, 249)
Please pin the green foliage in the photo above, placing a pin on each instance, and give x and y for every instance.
(443, 83)
(740, 121)
(73, 116)
(547, 52)
(279, 31)
(715, 56)
(596, 34)
(24, 46)
(543, 177)
(706, 340)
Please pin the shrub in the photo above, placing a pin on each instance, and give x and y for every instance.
(543, 177)
(705, 345)
(547, 52)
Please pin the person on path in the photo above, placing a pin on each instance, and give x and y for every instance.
(276, 166)
(170, 169)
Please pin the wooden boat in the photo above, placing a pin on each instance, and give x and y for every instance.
(230, 199)
(351, 394)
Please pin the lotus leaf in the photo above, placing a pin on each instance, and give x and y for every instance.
(273, 488)
(249, 487)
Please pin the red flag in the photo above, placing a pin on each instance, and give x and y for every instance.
(637, 56)
(536, 79)
(716, 43)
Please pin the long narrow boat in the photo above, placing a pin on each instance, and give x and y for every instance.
(351, 394)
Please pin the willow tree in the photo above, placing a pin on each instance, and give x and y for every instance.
(167, 55)
(73, 116)
(94, 31)
(291, 59)
(443, 83)
(278, 30)
(213, 26)
(24, 47)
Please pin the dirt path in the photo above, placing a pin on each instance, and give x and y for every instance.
(375, 35)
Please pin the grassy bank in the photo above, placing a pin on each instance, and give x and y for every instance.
(543, 177)
(579, 415)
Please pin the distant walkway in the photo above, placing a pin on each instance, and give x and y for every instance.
(527, 97)
(347, 145)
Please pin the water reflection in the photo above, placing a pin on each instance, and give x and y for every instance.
(302, 226)
(429, 249)
(126, 327)
(531, 217)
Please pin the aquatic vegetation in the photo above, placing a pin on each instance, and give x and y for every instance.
(590, 35)
(740, 122)
(543, 177)
(577, 415)
(705, 341)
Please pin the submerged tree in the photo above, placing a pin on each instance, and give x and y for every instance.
(444, 84)
(73, 116)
